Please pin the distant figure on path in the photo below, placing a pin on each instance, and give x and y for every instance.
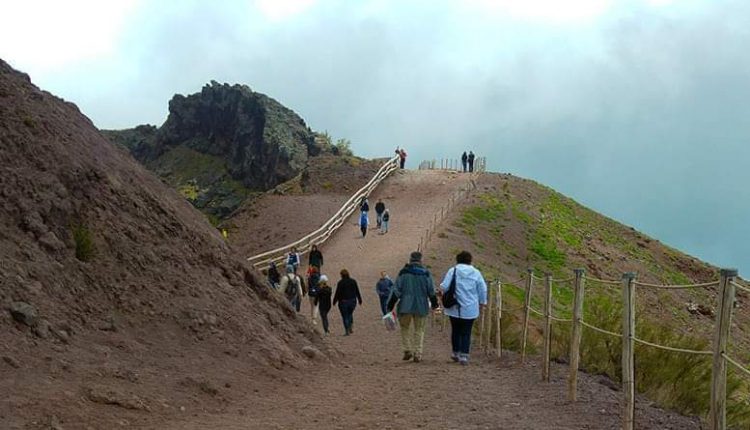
(379, 209)
(464, 160)
(274, 277)
(383, 288)
(365, 205)
(402, 157)
(291, 286)
(313, 278)
(471, 294)
(384, 222)
(293, 259)
(347, 296)
(363, 223)
(323, 301)
(471, 161)
(316, 257)
(414, 292)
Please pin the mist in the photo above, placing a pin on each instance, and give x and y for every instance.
(636, 109)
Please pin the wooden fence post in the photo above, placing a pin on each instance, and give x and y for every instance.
(482, 317)
(718, 412)
(628, 346)
(498, 315)
(547, 326)
(527, 303)
(575, 337)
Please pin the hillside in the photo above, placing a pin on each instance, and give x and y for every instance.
(222, 145)
(121, 305)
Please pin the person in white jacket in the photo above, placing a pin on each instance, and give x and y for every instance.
(471, 294)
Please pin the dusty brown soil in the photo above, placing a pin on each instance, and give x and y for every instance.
(372, 388)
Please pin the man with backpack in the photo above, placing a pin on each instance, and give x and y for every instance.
(379, 209)
(313, 278)
(292, 287)
(414, 292)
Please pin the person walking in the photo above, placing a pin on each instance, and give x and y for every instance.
(315, 258)
(471, 161)
(323, 301)
(402, 157)
(383, 288)
(384, 222)
(291, 286)
(313, 279)
(363, 223)
(471, 295)
(274, 277)
(347, 296)
(464, 160)
(293, 259)
(414, 292)
(364, 206)
(379, 209)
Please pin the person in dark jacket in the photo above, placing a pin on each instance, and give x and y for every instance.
(471, 161)
(274, 277)
(313, 279)
(365, 205)
(316, 257)
(323, 301)
(379, 209)
(415, 294)
(383, 288)
(464, 160)
(347, 296)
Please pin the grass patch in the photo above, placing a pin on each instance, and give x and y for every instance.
(84, 243)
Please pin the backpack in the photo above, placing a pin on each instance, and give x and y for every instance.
(313, 284)
(292, 287)
(449, 296)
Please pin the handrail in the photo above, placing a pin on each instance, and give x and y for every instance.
(333, 223)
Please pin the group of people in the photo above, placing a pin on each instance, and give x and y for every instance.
(383, 216)
(467, 161)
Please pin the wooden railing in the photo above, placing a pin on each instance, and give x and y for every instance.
(329, 227)
(480, 164)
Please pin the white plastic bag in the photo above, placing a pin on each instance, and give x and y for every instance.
(390, 321)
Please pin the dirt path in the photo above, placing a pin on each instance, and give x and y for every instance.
(373, 388)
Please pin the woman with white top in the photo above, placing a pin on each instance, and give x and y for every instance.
(471, 294)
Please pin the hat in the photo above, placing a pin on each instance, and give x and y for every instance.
(415, 257)
(323, 278)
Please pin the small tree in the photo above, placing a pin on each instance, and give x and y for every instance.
(344, 147)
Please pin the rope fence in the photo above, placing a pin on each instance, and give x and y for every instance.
(670, 348)
(600, 330)
(677, 287)
(736, 364)
(741, 287)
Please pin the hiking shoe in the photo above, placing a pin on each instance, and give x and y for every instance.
(417, 359)
(454, 357)
(407, 356)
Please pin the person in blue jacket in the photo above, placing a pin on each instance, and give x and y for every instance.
(383, 288)
(363, 223)
(471, 294)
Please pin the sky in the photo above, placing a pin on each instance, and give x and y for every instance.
(639, 109)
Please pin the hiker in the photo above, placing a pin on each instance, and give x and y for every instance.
(471, 161)
(464, 160)
(379, 209)
(471, 294)
(402, 157)
(414, 292)
(323, 301)
(383, 288)
(274, 277)
(363, 223)
(291, 286)
(313, 278)
(315, 258)
(347, 296)
(384, 222)
(365, 205)
(293, 259)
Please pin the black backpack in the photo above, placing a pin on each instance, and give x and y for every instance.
(292, 287)
(449, 296)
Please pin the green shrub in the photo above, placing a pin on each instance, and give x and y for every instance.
(84, 242)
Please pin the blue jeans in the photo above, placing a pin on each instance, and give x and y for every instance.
(461, 335)
(346, 307)
(379, 219)
(384, 304)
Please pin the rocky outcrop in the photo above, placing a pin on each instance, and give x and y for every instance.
(222, 144)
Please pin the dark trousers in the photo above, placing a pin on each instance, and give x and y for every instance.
(379, 219)
(324, 318)
(464, 165)
(461, 335)
(383, 304)
(471, 165)
(346, 307)
(402, 162)
(363, 228)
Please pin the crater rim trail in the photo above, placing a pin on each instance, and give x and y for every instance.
(371, 387)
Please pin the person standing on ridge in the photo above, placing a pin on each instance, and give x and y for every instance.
(316, 257)
(414, 292)
(291, 287)
(383, 288)
(464, 160)
(471, 294)
(384, 222)
(379, 209)
(293, 259)
(363, 223)
(471, 161)
(323, 301)
(347, 296)
(402, 157)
